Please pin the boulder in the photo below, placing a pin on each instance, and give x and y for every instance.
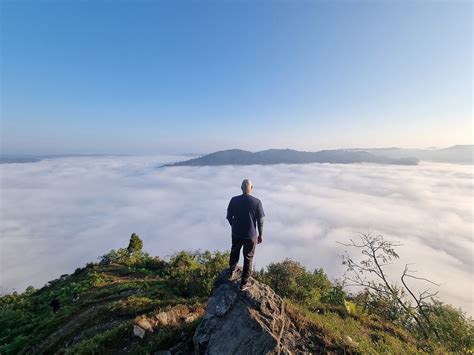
(172, 316)
(138, 331)
(245, 322)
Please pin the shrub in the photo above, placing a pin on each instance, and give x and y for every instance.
(194, 273)
(455, 329)
(353, 308)
(29, 290)
(155, 264)
(384, 306)
(129, 256)
(290, 279)
(335, 296)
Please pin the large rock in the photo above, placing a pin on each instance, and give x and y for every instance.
(172, 316)
(245, 322)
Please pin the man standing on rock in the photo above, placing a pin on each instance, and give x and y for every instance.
(245, 214)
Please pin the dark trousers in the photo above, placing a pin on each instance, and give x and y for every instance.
(249, 250)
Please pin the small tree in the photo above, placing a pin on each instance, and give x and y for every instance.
(419, 312)
(369, 273)
(136, 244)
(132, 255)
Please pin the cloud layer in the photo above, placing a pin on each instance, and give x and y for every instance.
(58, 214)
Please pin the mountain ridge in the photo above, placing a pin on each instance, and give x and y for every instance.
(290, 156)
(457, 154)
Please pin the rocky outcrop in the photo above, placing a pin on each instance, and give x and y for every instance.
(247, 322)
(173, 316)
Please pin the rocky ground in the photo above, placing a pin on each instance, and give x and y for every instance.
(253, 321)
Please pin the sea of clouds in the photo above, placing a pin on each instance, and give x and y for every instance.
(58, 214)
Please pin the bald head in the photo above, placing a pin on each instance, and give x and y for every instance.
(247, 186)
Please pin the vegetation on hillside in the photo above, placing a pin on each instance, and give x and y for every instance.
(420, 312)
(97, 306)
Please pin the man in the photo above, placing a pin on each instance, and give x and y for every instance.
(55, 304)
(245, 214)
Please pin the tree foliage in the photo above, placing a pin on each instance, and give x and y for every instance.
(335, 295)
(135, 245)
(455, 328)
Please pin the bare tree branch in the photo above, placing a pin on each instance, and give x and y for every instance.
(380, 253)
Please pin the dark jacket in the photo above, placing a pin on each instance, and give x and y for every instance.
(244, 213)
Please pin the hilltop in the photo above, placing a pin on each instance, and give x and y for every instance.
(459, 154)
(131, 302)
(290, 156)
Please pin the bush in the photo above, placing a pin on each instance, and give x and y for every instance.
(455, 329)
(290, 279)
(194, 273)
(335, 296)
(29, 290)
(155, 264)
(384, 306)
(132, 255)
(353, 308)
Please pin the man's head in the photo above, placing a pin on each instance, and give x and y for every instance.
(247, 186)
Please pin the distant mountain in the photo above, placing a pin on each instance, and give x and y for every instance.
(461, 154)
(27, 158)
(18, 159)
(289, 156)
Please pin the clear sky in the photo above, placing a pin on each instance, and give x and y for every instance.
(179, 76)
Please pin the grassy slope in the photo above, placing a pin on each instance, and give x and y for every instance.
(99, 303)
(364, 334)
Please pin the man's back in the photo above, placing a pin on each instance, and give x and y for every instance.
(243, 213)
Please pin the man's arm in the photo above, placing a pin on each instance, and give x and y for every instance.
(230, 216)
(260, 215)
(260, 230)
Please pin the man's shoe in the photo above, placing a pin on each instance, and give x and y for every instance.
(230, 274)
(245, 285)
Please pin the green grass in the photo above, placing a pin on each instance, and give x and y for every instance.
(369, 335)
(105, 293)
(104, 342)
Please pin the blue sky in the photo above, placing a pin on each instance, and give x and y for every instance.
(162, 76)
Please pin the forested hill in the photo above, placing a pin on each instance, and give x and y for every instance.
(289, 156)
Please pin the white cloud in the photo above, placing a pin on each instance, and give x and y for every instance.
(58, 214)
